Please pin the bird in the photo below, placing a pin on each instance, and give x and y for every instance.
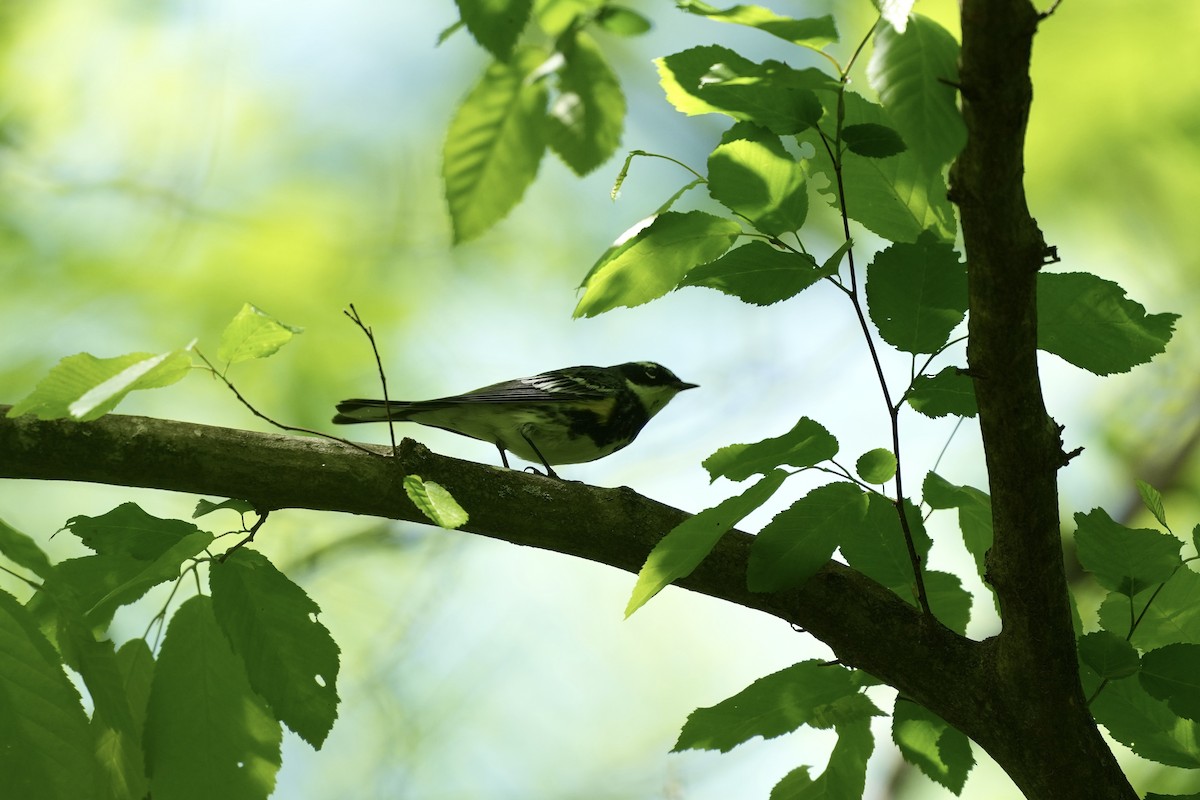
(565, 416)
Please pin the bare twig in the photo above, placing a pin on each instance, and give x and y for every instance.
(352, 313)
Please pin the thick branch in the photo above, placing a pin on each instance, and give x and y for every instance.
(866, 625)
(1051, 748)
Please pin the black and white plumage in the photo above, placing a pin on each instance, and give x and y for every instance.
(567, 416)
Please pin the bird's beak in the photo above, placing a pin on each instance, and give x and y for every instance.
(684, 386)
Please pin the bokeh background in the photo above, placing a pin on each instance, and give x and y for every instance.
(165, 161)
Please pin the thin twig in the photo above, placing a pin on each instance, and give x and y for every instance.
(262, 517)
(352, 313)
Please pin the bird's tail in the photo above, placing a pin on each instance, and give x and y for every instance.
(351, 412)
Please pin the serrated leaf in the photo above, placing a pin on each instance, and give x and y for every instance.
(655, 259)
(147, 574)
(119, 753)
(897, 197)
(948, 392)
(1173, 616)
(45, 743)
(926, 741)
(1125, 560)
(290, 658)
(914, 70)
(556, 17)
(622, 21)
(495, 24)
(1153, 501)
(815, 33)
(752, 174)
(204, 507)
(758, 273)
(716, 80)
(678, 553)
(584, 123)
(872, 140)
(435, 502)
(23, 551)
(128, 530)
(1108, 655)
(83, 388)
(1090, 323)
(807, 693)
(895, 12)
(1172, 674)
(1146, 726)
(495, 144)
(253, 333)
(948, 600)
(800, 539)
(834, 262)
(229, 746)
(808, 443)
(876, 466)
(876, 546)
(917, 293)
(845, 774)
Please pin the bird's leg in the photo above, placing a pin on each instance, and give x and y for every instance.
(503, 457)
(545, 463)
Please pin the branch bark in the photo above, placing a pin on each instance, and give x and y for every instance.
(1049, 744)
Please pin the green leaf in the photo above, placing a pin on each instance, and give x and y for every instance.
(23, 551)
(876, 466)
(1108, 655)
(716, 80)
(806, 444)
(290, 658)
(844, 776)
(800, 539)
(914, 71)
(751, 174)
(120, 753)
(932, 746)
(834, 262)
(895, 12)
(896, 197)
(872, 140)
(687, 544)
(435, 502)
(204, 507)
(253, 333)
(814, 33)
(82, 387)
(655, 259)
(207, 733)
(974, 515)
(1090, 323)
(1153, 501)
(1174, 616)
(1172, 674)
(622, 21)
(1146, 726)
(495, 144)
(808, 693)
(128, 530)
(495, 24)
(876, 546)
(917, 293)
(1122, 559)
(758, 273)
(556, 17)
(584, 123)
(948, 600)
(45, 743)
(948, 392)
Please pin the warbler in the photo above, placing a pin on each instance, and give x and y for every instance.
(566, 416)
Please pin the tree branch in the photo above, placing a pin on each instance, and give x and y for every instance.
(1050, 746)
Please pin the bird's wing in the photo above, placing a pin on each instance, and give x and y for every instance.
(566, 385)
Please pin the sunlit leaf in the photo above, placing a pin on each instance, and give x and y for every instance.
(806, 444)
(752, 174)
(814, 33)
(83, 387)
(23, 550)
(584, 123)
(1146, 725)
(495, 24)
(683, 548)
(876, 546)
(974, 515)
(876, 466)
(495, 144)
(1173, 616)
(128, 530)
(914, 71)
(1089, 322)
(800, 539)
(435, 502)
(872, 140)
(622, 21)
(655, 259)
(1123, 559)
(758, 273)
(948, 392)
(844, 775)
(253, 333)
(937, 749)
